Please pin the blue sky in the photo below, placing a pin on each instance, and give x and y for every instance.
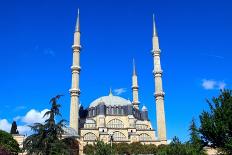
(36, 55)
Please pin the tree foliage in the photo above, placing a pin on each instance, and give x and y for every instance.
(102, 148)
(174, 148)
(8, 145)
(47, 137)
(216, 124)
(14, 129)
(72, 145)
(195, 138)
(89, 149)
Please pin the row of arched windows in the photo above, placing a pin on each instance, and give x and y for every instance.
(117, 136)
(90, 137)
(144, 137)
(141, 126)
(115, 123)
(88, 125)
(109, 111)
(114, 111)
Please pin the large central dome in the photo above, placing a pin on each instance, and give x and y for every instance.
(110, 100)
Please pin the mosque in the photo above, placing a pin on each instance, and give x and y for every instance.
(112, 118)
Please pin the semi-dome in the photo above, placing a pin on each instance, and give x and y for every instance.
(110, 100)
(70, 131)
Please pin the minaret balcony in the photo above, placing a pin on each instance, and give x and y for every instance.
(74, 91)
(76, 47)
(159, 94)
(135, 87)
(156, 52)
(157, 73)
(76, 68)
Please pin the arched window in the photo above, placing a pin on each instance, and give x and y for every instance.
(115, 123)
(141, 126)
(120, 111)
(144, 137)
(115, 111)
(90, 137)
(107, 110)
(111, 110)
(118, 136)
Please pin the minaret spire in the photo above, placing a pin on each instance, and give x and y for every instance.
(159, 94)
(110, 94)
(77, 28)
(134, 69)
(75, 90)
(154, 27)
(135, 87)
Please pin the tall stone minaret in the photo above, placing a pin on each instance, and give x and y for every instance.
(75, 91)
(135, 88)
(159, 94)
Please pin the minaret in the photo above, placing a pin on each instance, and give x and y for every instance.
(110, 93)
(159, 94)
(135, 88)
(75, 91)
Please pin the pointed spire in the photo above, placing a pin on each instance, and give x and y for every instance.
(154, 27)
(134, 69)
(77, 29)
(110, 94)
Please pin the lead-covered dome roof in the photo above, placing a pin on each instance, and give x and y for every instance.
(70, 131)
(110, 100)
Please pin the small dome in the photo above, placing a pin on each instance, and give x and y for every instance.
(70, 131)
(139, 122)
(90, 121)
(144, 108)
(110, 101)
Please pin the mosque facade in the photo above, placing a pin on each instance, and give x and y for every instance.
(112, 118)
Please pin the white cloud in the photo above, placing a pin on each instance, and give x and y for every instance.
(24, 129)
(5, 125)
(208, 84)
(221, 85)
(169, 141)
(17, 118)
(119, 91)
(34, 116)
(213, 84)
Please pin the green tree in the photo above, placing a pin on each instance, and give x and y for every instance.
(8, 144)
(178, 148)
(216, 124)
(89, 149)
(72, 145)
(122, 148)
(14, 129)
(195, 140)
(99, 148)
(136, 148)
(149, 149)
(46, 137)
(103, 148)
